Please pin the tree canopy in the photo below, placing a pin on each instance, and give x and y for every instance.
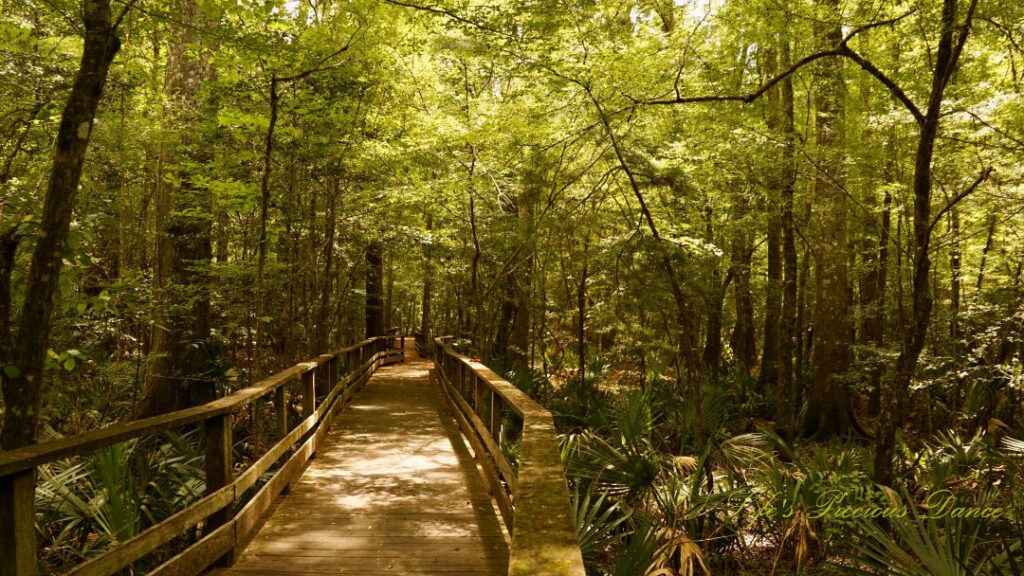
(704, 233)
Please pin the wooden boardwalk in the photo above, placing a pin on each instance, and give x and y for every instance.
(393, 491)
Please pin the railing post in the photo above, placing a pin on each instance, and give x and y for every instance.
(461, 369)
(479, 397)
(17, 524)
(308, 393)
(219, 474)
(496, 417)
(281, 408)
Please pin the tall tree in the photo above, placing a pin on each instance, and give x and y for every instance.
(179, 356)
(829, 412)
(783, 183)
(23, 376)
(952, 39)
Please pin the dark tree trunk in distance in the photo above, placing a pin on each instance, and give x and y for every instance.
(374, 289)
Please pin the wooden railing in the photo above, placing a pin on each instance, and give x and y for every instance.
(531, 492)
(227, 519)
(424, 346)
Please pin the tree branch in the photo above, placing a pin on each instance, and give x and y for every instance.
(842, 50)
(985, 173)
(453, 16)
(124, 12)
(320, 63)
(893, 88)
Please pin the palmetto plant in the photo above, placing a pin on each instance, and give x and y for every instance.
(918, 545)
(95, 502)
(88, 505)
(598, 519)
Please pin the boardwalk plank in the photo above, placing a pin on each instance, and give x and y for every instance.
(392, 491)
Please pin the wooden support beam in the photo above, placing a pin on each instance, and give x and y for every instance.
(219, 472)
(17, 524)
(281, 410)
(479, 397)
(496, 417)
(308, 393)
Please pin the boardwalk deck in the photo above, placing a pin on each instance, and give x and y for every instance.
(393, 491)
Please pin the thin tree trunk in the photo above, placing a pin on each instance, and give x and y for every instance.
(804, 334)
(874, 400)
(742, 340)
(23, 381)
(426, 322)
(781, 121)
(951, 42)
(374, 289)
(581, 313)
(323, 323)
(989, 236)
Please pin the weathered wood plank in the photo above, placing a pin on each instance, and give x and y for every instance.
(252, 474)
(281, 411)
(544, 541)
(308, 392)
(389, 492)
(200, 555)
(481, 431)
(497, 489)
(250, 514)
(17, 524)
(219, 469)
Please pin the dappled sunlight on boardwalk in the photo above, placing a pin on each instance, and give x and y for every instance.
(393, 491)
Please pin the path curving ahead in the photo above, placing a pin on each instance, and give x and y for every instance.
(392, 491)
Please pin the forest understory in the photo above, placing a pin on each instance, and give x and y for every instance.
(761, 259)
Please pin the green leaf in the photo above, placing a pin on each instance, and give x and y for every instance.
(11, 371)
(69, 364)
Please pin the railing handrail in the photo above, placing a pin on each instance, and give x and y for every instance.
(535, 502)
(224, 529)
(26, 457)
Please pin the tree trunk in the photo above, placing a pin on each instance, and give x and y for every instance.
(711, 357)
(374, 289)
(179, 354)
(742, 340)
(426, 322)
(829, 411)
(581, 313)
(980, 282)
(783, 330)
(389, 294)
(519, 339)
(323, 321)
(878, 330)
(23, 379)
(951, 41)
